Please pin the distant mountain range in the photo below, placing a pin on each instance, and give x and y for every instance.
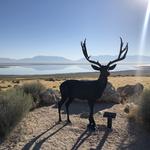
(62, 60)
(37, 59)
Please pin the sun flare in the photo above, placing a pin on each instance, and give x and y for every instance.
(143, 35)
(144, 29)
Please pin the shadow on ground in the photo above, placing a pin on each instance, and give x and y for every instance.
(75, 108)
(38, 141)
(82, 107)
(37, 145)
(86, 134)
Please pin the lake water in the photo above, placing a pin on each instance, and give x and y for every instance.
(55, 69)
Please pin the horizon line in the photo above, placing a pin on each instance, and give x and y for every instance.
(67, 57)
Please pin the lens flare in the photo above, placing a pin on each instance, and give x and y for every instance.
(143, 35)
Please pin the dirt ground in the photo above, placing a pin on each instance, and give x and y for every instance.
(39, 130)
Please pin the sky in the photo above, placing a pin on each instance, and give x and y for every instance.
(56, 27)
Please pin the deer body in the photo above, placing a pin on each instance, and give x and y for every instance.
(79, 89)
(88, 90)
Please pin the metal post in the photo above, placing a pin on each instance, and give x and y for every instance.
(109, 122)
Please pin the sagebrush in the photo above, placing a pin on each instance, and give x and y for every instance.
(34, 89)
(14, 104)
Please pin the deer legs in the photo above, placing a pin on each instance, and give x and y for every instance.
(67, 108)
(60, 103)
(91, 124)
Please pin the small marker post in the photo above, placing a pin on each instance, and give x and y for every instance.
(109, 116)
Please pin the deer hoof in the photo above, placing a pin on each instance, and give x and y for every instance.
(59, 120)
(69, 122)
(91, 127)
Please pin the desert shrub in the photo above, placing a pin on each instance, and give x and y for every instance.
(16, 81)
(49, 97)
(132, 110)
(14, 104)
(34, 89)
(50, 79)
(144, 107)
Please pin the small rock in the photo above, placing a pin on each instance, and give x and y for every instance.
(48, 97)
(84, 115)
(129, 107)
(110, 95)
(99, 113)
(130, 90)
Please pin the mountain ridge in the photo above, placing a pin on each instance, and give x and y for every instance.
(59, 59)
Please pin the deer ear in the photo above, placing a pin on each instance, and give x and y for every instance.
(95, 67)
(112, 67)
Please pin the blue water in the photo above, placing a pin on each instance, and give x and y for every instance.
(55, 69)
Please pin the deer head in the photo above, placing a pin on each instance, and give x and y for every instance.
(104, 69)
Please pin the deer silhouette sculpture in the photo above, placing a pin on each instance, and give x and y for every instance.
(88, 90)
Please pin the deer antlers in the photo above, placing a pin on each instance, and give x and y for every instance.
(122, 51)
(121, 56)
(84, 50)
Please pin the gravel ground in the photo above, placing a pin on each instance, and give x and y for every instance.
(40, 130)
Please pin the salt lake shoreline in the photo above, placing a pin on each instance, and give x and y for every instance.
(143, 72)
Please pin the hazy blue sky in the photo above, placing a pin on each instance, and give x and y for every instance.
(56, 27)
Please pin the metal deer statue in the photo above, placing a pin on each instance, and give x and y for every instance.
(89, 90)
